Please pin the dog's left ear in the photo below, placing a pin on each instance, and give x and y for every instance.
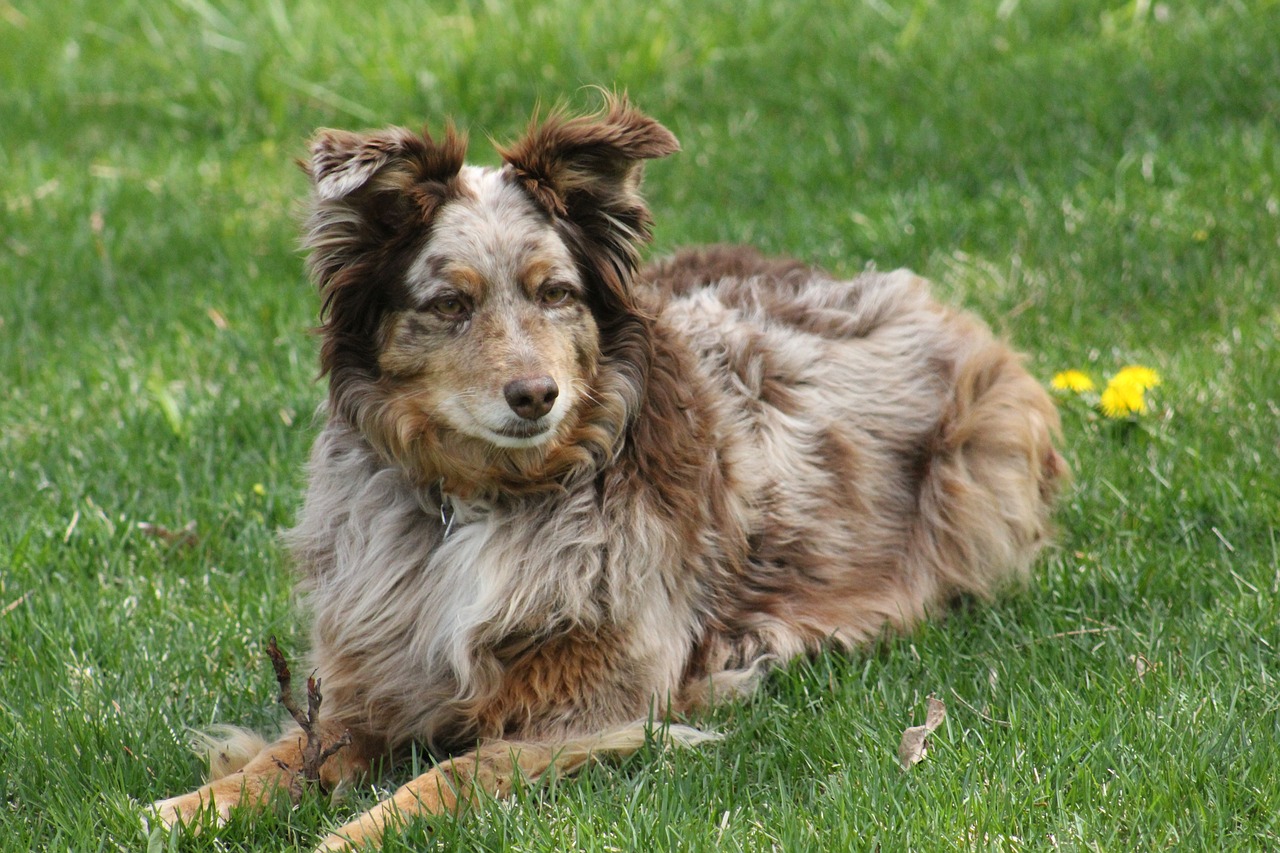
(586, 170)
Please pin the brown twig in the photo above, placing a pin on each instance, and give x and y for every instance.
(183, 537)
(314, 752)
(1079, 632)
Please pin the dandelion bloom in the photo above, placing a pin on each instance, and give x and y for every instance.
(1072, 380)
(1122, 399)
(1143, 377)
(1125, 392)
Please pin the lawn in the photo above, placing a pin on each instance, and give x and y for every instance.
(1100, 180)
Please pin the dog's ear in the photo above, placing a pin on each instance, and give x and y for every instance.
(370, 171)
(573, 163)
(586, 170)
(374, 194)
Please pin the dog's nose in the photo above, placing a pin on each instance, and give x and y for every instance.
(531, 398)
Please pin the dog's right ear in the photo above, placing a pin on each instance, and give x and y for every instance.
(374, 195)
(385, 172)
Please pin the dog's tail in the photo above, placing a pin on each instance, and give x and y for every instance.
(226, 749)
(987, 494)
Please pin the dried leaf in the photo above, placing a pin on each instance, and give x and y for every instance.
(915, 740)
(183, 538)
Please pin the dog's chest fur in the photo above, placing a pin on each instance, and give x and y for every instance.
(502, 621)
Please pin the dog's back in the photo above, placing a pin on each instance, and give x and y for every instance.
(890, 454)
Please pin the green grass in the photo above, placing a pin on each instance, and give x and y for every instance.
(1101, 180)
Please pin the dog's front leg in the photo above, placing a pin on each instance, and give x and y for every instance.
(277, 768)
(453, 785)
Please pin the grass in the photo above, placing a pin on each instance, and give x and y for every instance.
(1099, 179)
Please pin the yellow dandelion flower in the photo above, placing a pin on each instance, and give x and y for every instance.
(259, 489)
(1072, 380)
(1135, 374)
(1121, 398)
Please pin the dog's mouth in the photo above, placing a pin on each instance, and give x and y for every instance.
(502, 428)
(513, 434)
(525, 430)
(521, 435)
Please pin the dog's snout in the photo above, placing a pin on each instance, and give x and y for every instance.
(531, 398)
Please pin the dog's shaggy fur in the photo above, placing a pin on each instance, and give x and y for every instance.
(556, 491)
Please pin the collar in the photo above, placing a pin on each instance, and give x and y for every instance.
(448, 512)
(457, 512)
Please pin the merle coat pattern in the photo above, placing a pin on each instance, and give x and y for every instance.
(557, 491)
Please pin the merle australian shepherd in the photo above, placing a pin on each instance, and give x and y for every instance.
(558, 492)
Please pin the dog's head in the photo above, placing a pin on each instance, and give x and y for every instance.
(479, 325)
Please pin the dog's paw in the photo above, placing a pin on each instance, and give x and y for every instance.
(188, 811)
(331, 843)
(360, 834)
(363, 833)
(348, 839)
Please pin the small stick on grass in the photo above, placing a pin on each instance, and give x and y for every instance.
(1079, 632)
(990, 719)
(314, 752)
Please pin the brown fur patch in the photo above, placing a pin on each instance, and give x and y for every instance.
(708, 266)
(542, 678)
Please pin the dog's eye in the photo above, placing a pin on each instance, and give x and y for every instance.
(555, 296)
(449, 306)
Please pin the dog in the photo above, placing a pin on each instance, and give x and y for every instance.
(559, 496)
